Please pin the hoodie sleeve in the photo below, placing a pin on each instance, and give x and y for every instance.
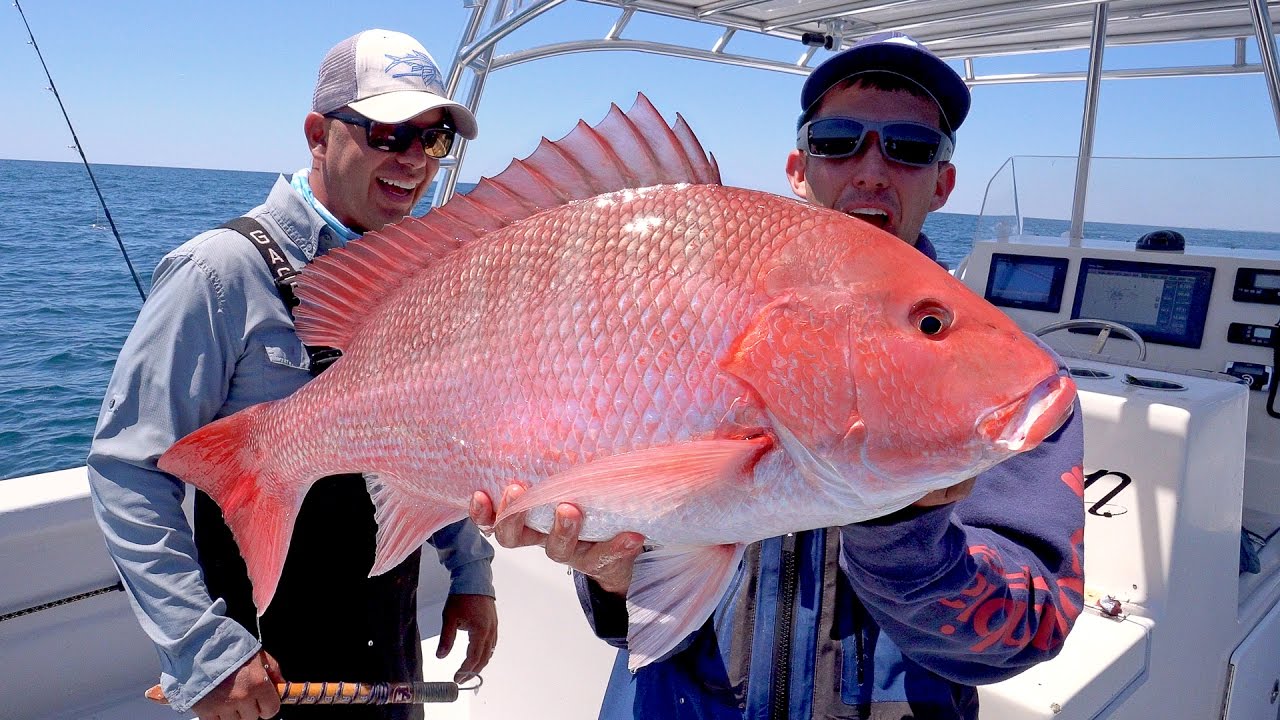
(981, 589)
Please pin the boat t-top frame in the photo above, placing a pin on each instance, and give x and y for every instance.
(957, 30)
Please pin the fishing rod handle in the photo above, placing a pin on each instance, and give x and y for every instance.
(352, 693)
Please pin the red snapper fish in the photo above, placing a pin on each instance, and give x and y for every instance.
(607, 324)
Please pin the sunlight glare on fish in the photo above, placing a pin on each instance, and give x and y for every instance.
(643, 225)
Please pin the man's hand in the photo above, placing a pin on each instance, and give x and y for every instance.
(946, 495)
(609, 563)
(478, 615)
(248, 693)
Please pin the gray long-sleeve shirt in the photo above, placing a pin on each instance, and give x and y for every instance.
(212, 338)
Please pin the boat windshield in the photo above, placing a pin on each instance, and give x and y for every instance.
(1225, 202)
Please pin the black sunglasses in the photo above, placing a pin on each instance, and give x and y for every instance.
(395, 138)
(907, 143)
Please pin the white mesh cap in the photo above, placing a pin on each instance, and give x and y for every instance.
(386, 76)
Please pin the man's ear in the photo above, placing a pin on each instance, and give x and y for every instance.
(316, 130)
(795, 174)
(942, 189)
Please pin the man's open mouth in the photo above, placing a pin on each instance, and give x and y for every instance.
(874, 216)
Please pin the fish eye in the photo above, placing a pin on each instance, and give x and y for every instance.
(930, 318)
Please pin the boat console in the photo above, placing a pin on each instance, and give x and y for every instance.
(1182, 454)
(1202, 311)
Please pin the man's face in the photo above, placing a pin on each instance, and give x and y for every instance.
(363, 187)
(867, 185)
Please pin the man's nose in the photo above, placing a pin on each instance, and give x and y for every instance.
(870, 166)
(414, 156)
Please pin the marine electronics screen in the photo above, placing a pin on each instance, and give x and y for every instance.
(1022, 281)
(1164, 303)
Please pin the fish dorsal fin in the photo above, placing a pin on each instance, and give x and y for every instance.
(635, 149)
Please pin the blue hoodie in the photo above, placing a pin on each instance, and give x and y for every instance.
(897, 617)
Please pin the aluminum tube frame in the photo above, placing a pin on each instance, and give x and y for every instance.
(491, 38)
(1093, 86)
(1267, 51)
(446, 186)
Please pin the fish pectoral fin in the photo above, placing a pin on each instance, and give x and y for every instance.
(403, 524)
(646, 481)
(673, 591)
(797, 358)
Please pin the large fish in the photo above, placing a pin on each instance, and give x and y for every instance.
(609, 325)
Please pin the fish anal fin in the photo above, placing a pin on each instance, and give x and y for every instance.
(403, 524)
(797, 359)
(673, 591)
(648, 481)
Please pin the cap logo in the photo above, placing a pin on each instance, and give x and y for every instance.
(416, 64)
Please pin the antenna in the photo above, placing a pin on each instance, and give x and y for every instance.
(101, 201)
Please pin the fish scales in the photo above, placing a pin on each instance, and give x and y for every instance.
(471, 412)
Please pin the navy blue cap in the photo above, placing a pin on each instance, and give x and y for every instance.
(891, 52)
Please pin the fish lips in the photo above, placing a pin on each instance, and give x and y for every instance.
(1025, 422)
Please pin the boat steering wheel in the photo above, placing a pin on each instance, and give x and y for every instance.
(1106, 327)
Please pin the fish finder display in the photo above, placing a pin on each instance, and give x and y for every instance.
(1031, 283)
(1165, 303)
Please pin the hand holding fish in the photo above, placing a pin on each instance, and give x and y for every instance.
(478, 615)
(249, 692)
(608, 562)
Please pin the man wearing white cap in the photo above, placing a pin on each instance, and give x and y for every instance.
(216, 335)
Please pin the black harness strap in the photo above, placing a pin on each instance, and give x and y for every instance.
(284, 276)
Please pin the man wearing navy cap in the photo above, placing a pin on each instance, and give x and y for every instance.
(899, 617)
(887, 90)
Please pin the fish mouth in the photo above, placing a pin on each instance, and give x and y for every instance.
(1023, 423)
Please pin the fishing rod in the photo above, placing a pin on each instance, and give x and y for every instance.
(101, 201)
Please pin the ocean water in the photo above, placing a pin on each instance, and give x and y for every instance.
(67, 300)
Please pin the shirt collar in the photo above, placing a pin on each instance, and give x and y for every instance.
(299, 221)
(302, 183)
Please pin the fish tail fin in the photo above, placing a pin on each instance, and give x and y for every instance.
(339, 290)
(225, 459)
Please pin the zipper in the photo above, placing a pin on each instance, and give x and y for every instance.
(787, 586)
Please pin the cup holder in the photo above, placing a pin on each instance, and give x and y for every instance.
(1088, 373)
(1152, 383)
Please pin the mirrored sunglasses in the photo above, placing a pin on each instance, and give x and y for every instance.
(907, 143)
(395, 138)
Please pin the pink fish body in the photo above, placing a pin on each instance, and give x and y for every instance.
(709, 366)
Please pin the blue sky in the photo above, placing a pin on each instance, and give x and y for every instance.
(226, 85)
